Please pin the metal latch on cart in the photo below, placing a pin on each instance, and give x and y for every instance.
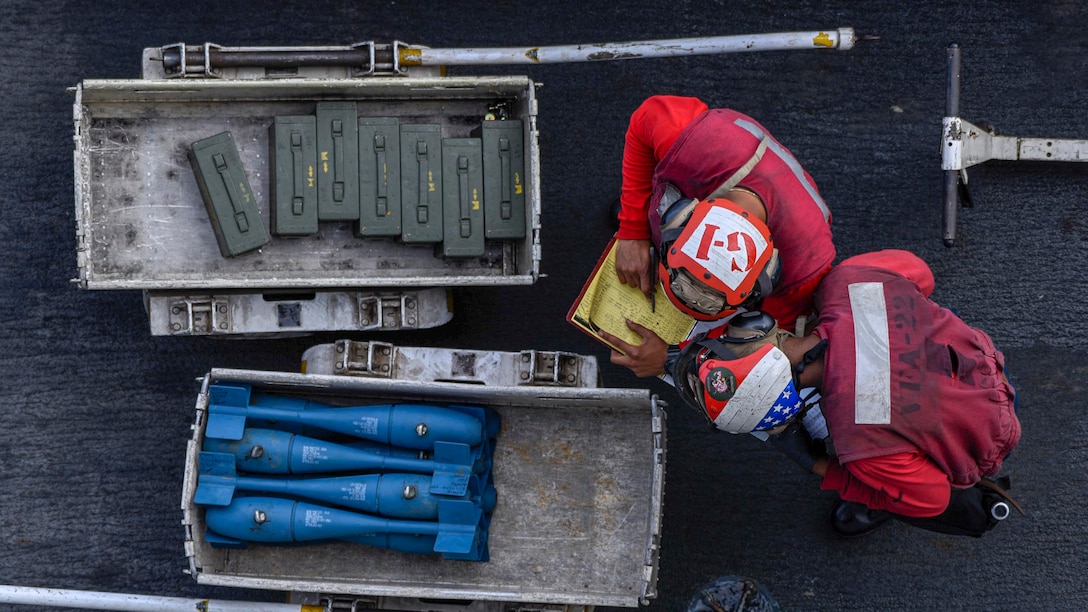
(401, 312)
(200, 317)
(365, 358)
(548, 368)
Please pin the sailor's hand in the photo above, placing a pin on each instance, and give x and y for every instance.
(645, 359)
(633, 265)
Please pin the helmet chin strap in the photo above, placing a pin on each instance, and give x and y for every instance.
(810, 356)
(719, 347)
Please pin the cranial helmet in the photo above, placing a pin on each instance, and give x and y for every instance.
(738, 389)
(715, 257)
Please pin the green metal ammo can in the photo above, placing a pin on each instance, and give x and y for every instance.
(462, 195)
(338, 161)
(379, 177)
(230, 202)
(293, 159)
(421, 182)
(504, 178)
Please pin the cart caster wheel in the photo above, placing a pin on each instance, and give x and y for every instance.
(733, 594)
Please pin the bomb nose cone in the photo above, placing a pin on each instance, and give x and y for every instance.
(488, 499)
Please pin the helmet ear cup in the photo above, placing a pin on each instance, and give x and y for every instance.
(664, 208)
(685, 377)
(676, 216)
(685, 371)
(749, 325)
(768, 276)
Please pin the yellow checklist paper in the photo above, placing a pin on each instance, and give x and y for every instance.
(607, 304)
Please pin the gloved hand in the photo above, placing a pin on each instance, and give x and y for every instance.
(796, 444)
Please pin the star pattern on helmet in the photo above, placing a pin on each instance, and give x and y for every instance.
(786, 406)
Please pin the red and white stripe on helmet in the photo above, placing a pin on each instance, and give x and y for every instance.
(752, 393)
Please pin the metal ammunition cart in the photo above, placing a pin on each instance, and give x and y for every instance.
(142, 224)
(579, 472)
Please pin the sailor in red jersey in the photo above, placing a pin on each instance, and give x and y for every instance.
(732, 218)
(917, 408)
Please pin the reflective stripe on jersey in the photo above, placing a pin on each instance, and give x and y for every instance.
(872, 368)
(792, 163)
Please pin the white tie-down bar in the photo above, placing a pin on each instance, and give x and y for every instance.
(841, 38)
(370, 58)
(966, 144)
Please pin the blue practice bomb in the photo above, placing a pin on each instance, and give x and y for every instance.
(393, 495)
(267, 451)
(459, 532)
(415, 426)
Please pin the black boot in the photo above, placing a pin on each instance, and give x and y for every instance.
(851, 520)
(971, 512)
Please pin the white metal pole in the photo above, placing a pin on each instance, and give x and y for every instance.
(951, 177)
(124, 602)
(840, 38)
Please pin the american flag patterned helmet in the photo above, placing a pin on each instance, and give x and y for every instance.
(755, 392)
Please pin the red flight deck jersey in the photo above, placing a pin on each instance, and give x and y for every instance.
(916, 400)
(679, 141)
